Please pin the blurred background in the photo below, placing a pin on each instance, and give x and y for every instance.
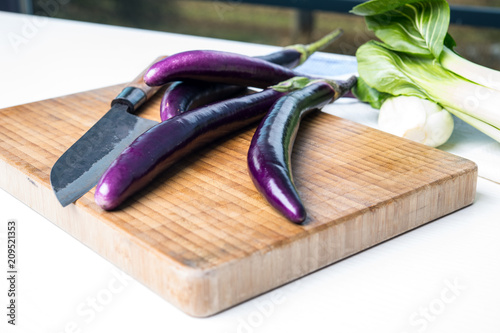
(262, 23)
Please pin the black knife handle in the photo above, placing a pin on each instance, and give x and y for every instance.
(137, 92)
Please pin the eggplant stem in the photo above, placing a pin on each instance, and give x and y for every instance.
(307, 50)
(341, 87)
(295, 83)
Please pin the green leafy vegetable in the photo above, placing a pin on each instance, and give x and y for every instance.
(416, 58)
(376, 7)
(420, 27)
(417, 28)
(402, 74)
(367, 94)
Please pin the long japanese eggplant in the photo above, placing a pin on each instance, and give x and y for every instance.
(269, 155)
(217, 66)
(182, 96)
(164, 144)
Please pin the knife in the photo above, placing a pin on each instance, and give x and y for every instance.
(80, 167)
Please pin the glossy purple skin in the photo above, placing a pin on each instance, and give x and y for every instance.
(270, 151)
(288, 58)
(217, 66)
(166, 143)
(182, 96)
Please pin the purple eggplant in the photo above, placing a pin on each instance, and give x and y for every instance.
(169, 141)
(182, 96)
(217, 66)
(269, 155)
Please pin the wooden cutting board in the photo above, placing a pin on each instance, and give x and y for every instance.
(201, 236)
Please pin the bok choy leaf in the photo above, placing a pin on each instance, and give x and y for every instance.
(416, 28)
(416, 58)
(420, 27)
(375, 7)
(367, 94)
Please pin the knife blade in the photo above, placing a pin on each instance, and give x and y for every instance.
(78, 170)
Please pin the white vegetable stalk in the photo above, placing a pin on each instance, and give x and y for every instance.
(487, 129)
(475, 100)
(416, 119)
(413, 60)
(479, 74)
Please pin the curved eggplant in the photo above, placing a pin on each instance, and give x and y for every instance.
(217, 66)
(164, 144)
(288, 57)
(182, 96)
(269, 155)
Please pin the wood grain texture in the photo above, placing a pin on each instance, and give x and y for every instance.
(201, 236)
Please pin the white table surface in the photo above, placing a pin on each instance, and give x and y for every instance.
(442, 277)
